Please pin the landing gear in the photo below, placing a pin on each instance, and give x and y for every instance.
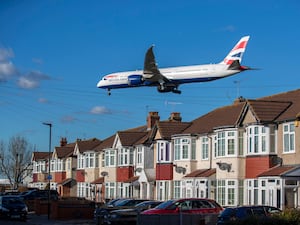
(176, 91)
(108, 92)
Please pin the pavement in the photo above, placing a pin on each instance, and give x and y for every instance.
(34, 219)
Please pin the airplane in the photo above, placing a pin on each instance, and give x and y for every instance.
(168, 79)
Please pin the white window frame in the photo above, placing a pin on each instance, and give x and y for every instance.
(110, 158)
(177, 189)
(110, 190)
(227, 192)
(258, 140)
(288, 130)
(139, 156)
(204, 148)
(184, 148)
(222, 143)
(125, 157)
(80, 161)
(163, 151)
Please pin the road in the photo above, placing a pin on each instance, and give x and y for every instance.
(43, 220)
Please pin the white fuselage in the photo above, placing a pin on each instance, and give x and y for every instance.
(178, 75)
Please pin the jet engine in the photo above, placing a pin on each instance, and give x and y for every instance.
(135, 80)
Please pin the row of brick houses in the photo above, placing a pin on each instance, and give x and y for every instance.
(244, 153)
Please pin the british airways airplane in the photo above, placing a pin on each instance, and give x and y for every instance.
(168, 79)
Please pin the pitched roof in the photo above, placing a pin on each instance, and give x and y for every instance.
(220, 117)
(64, 152)
(129, 138)
(290, 96)
(169, 128)
(202, 173)
(99, 180)
(36, 156)
(277, 171)
(106, 143)
(132, 179)
(268, 111)
(87, 145)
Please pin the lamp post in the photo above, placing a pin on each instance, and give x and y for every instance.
(49, 159)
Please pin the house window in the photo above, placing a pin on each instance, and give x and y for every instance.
(163, 190)
(205, 144)
(125, 157)
(184, 148)
(69, 164)
(52, 165)
(102, 159)
(110, 156)
(193, 150)
(59, 165)
(139, 155)
(80, 161)
(163, 151)
(177, 189)
(226, 143)
(90, 160)
(226, 192)
(288, 138)
(258, 139)
(110, 189)
(221, 192)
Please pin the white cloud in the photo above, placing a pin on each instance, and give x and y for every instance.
(7, 68)
(32, 80)
(100, 110)
(43, 100)
(6, 54)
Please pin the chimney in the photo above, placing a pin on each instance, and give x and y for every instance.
(175, 116)
(63, 141)
(151, 119)
(239, 100)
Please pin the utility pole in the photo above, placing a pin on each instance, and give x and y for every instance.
(49, 172)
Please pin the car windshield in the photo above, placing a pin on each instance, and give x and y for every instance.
(228, 212)
(164, 204)
(11, 200)
(122, 202)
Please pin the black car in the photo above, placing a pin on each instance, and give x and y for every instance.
(101, 213)
(12, 206)
(40, 194)
(244, 212)
(129, 216)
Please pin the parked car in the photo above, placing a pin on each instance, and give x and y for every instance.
(40, 194)
(244, 212)
(12, 206)
(129, 216)
(187, 205)
(101, 213)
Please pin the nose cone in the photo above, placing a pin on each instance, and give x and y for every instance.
(99, 85)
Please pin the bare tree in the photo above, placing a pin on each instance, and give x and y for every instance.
(15, 160)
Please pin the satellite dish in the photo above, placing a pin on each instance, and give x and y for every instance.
(104, 174)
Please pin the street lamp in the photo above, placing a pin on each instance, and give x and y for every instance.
(49, 174)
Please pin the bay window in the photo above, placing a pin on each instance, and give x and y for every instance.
(288, 137)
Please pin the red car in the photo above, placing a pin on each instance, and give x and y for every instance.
(186, 205)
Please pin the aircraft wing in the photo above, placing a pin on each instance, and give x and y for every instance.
(151, 71)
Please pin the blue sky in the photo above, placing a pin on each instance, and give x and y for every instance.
(52, 54)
